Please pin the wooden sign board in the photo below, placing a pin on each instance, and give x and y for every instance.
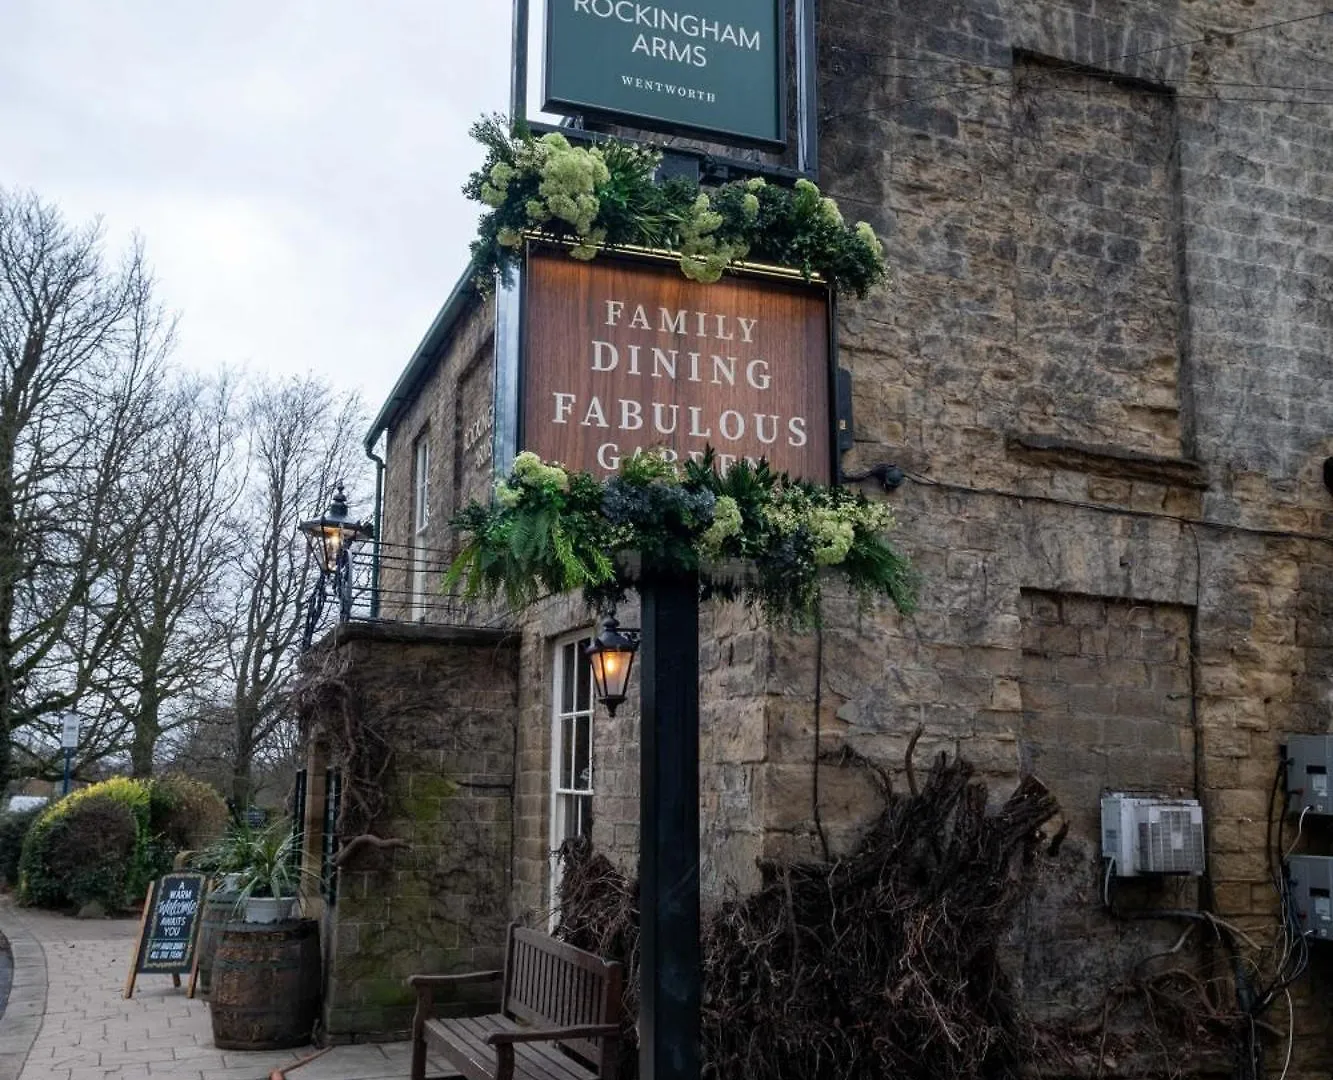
(625, 354)
(169, 929)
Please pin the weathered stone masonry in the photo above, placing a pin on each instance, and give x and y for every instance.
(1096, 260)
(433, 710)
(1104, 361)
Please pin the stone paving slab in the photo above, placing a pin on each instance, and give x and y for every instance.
(27, 1000)
(88, 1031)
(67, 1020)
(377, 1061)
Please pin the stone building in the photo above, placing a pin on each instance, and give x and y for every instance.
(1104, 363)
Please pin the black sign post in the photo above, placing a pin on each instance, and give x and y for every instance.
(169, 929)
(669, 957)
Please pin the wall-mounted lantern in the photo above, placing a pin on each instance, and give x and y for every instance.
(611, 655)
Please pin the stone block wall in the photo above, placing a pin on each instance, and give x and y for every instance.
(733, 663)
(1107, 705)
(1103, 361)
(1106, 692)
(614, 758)
(1095, 235)
(434, 717)
(451, 411)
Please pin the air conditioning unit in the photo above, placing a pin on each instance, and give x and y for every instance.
(1150, 834)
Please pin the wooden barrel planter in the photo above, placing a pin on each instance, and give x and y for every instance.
(265, 985)
(219, 909)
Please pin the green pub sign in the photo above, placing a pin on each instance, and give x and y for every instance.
(710, 67)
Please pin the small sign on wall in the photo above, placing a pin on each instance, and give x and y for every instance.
(714, 68)
(623, 355)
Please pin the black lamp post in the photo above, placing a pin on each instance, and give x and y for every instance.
(331, 536)
(670, 967)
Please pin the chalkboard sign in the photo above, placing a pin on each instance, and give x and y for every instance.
(170, 927)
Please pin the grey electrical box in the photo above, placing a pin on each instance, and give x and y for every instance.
(1309, 763)
(1311, 878)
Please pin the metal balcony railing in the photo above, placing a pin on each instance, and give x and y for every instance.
(394, 583)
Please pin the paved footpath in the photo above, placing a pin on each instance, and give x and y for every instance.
(66, 1018)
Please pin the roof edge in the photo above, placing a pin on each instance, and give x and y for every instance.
(404, 390)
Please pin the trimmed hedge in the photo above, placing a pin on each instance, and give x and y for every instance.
(107, 842)
(13, 829)
(89, 854)
(50, 874)
(186, 814)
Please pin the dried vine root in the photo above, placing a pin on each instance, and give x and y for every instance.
(368, 840)
(882, 964)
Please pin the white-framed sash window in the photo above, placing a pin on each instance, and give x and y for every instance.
(571, 748)
(421, 583)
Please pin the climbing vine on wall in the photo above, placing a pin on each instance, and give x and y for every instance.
(328, 697)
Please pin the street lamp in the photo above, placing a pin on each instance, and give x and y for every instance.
(332, 533)
(331, 536)
(612, 658)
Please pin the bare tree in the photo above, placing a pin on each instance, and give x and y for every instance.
(303, 439)
(82, 348)
(202, 746)
(180, 491)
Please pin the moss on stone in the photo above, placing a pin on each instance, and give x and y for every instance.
(387, 993)
(426, 791)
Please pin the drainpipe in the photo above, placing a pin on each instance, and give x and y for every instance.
(379, 531)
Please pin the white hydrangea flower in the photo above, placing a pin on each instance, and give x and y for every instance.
(726, 523)
(867, 236)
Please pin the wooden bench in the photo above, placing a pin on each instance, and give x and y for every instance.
(558, 1020)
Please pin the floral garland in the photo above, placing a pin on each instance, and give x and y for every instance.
(606, 196)
(551, 531)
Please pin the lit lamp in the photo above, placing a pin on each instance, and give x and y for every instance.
(332, 532)
(612, 658)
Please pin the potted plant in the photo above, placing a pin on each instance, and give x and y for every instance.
(225, 858)
(269, 876)
(223, 861)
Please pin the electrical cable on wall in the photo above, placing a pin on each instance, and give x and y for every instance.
(1288, 954)
(1299, 827)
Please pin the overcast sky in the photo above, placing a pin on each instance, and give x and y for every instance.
(293, 165)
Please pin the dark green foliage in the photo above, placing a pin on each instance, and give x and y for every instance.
(55, 869)
(560, 542)
(269, 866)
(86, 854)
(186, 814)
(13, 828)
(549, 531)
(648, 501)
